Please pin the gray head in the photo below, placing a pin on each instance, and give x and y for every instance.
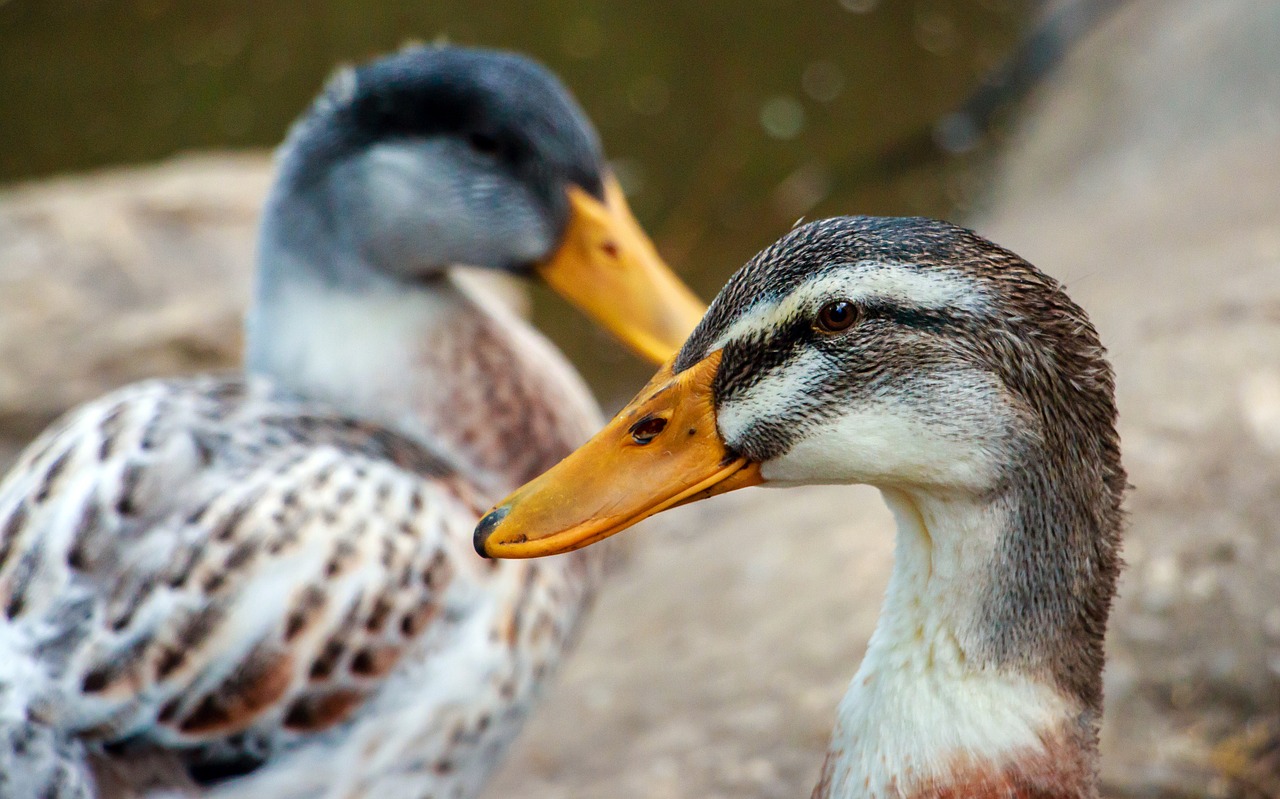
(963, 347)
(908, 354)
(445, 156)
(438, 156)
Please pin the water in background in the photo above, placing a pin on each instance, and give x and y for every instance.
(726, 119)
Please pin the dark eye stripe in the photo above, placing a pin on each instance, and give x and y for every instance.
(929, 319)
(747, 361)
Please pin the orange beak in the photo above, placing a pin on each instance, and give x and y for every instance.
(609, 268)
(662, 450)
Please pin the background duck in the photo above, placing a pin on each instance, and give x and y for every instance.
(264, 585)
(916, 357)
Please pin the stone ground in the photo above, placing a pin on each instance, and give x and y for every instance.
(1145, 176)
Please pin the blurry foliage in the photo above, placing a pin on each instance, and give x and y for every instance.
(727, 120)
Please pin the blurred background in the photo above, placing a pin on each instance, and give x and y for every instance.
(725, 125)
(1128, 148)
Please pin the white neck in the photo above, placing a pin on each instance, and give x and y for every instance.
(354, 349)
(927, 709)
(445, 363)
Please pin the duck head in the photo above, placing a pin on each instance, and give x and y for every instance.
(445, 156)
(903, 353)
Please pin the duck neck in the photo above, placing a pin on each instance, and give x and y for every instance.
(432, 358)
(983, 676)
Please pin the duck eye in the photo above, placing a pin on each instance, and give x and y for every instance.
(837, 316)
(482, 143)
(645, 430)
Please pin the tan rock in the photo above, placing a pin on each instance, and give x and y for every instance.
(128, 274)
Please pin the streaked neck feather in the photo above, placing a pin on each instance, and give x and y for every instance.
(928, 714)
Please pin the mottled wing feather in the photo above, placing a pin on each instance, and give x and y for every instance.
(207, 566)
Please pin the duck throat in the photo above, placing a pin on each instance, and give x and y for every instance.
(433, 359)
(940, 707)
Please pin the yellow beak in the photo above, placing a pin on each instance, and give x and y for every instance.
(607, 266)
(662, 450)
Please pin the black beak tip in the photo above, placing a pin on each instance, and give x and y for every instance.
(491, 520)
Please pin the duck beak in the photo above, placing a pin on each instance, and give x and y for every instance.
(609, 268)
(664, 449)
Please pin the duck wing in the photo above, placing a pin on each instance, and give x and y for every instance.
(209, 567)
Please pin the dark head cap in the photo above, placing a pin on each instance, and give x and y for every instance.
(433, 157)
(502, 104)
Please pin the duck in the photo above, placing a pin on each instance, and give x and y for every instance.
(914, 356)
(262, 583)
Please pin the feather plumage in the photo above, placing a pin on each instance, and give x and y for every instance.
(215, 569)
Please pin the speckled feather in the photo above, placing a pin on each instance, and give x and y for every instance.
(212, 569)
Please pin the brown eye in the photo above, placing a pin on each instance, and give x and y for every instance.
(645, 430)
(837, 316)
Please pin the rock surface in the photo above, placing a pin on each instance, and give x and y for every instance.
(112, 278)
(1145, 176)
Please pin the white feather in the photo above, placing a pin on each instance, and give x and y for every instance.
(918, 704)
(879, 440)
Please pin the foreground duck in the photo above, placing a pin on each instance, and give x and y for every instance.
(265, 586)
(919, 358)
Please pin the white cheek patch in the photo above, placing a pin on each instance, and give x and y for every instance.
(953, 441)
(879, 444)
(863, 282)
(399, 177)
(420, 202)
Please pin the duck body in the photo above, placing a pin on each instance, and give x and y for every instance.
(273, 588)
(919, 358)
(263, 584)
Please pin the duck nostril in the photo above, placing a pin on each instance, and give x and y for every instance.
(647, 429)
(610, 249)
